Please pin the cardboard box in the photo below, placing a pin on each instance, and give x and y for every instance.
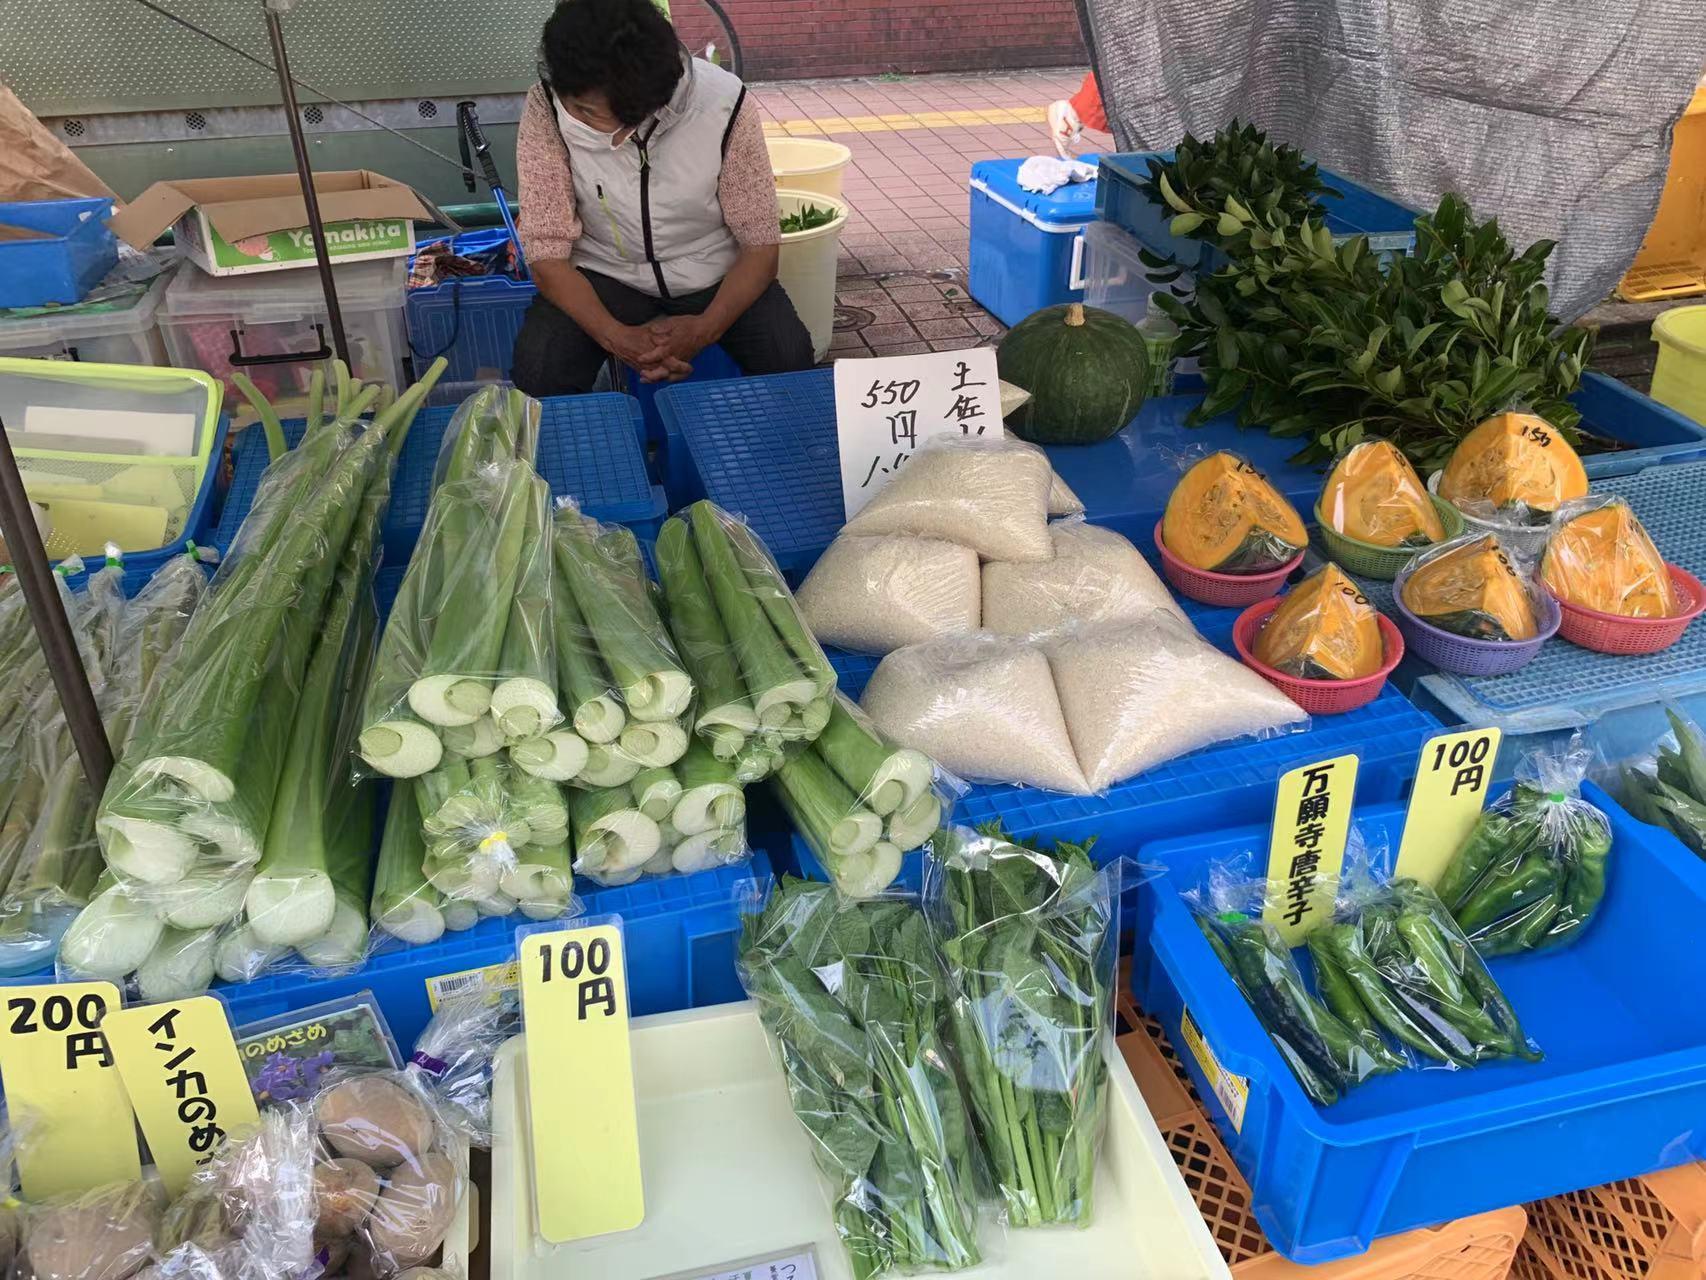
(240, 226)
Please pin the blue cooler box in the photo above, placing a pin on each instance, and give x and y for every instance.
(1027, 250)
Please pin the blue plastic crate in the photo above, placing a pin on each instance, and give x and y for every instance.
(1027, 248)
(1649, 431)
(670, 462)
(76, 250)
(248, 464)
(679, 932)
(1620, 1092)
(1356, 210)
(1228, 783)
(472, 321)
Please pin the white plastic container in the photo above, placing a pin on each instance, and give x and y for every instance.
(97, 334)
(729, 1179)
(273, 327)
(808, 164)
(807, 267)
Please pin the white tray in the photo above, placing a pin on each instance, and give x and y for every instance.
(729, 1177)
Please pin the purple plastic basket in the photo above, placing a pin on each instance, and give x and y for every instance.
(1463, 656)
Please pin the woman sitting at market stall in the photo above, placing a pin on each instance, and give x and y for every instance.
(648, 211)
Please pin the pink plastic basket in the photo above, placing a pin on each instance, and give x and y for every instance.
(1227, 590)
(1317, 697)
(1613, 633)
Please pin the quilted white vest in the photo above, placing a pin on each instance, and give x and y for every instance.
(648, 208)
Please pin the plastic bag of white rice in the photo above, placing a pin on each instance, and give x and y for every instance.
(1137, 694)
(877, 594)
(1061, 500)
(1096, 576)
(982, 706)
(989, 495)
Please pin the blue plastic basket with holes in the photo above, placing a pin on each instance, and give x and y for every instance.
(54, 250)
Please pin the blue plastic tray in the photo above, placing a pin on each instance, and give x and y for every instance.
(77, 249)
(472, 321)
(669, 457)
(1356, 210)
(1228, 783)
(679, 932)
(1620, 1093)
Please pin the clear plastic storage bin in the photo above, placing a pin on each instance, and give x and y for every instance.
(273, 327)
(93, 333)
(1116, 280)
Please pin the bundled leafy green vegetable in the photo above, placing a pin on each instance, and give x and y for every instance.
(855, 999)
(1323, 341)
(1030, 942)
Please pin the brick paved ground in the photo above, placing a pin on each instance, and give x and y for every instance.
(902, 275)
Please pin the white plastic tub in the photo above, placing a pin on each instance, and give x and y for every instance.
(92, 333)
(273, 327)
(807, 268)
(808, 164)
(729, 1177)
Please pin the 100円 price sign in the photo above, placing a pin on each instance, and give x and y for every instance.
(580, 1083)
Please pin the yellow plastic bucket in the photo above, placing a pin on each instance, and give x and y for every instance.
(808, 164)
(1679, 377)
(807, 267)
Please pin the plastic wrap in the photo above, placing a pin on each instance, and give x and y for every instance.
(103, 1234)
(1324, 629)
(1416, 975)
(764, 683)
(684, 820)
(1135, 695)
(1532, 872)
(1599, 557)
(392, 1173)
(1669, 790)
(1224, 517)
(1328, 1041)
(1374, 495)
(874, 594)
(1030, 943)
(1471, 587)
(862, 803)
(1096, 576)
(1514, 468)
(982, 706)
(479, 567)
(989, 495)
(452, 1059)
(1062, 501)
(857, 1006)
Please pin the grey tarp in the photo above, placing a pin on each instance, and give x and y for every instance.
(1554, 115)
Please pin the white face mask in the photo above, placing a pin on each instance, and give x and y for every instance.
(580, 132)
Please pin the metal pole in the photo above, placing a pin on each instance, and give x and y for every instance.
(53, 628)
(305, 175)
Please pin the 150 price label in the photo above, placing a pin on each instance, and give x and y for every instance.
(66, 1103)
(1312, 821)
(1452, 777)
(580, 1084)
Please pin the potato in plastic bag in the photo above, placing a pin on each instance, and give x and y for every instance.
(1513, 464)
(1224, 517)
(1600, 557)
(1470, 587)
(1324, 629)
(1374, 495)
(103, 1234)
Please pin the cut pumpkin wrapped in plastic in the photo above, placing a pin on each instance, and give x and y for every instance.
(1471, 587)
(1324, 629)
(1373, 495)
(1515, 465)
(1224, 517)
(1600, 557)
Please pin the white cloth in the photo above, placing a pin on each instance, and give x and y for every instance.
(1044, 174)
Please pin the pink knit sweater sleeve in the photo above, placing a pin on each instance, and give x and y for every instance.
(746, 189)
(549, 225)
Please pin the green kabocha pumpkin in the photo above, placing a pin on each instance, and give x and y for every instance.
(1086, 370)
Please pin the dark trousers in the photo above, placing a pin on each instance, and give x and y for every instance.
(554, 356)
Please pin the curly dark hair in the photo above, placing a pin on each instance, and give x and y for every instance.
(625, 49)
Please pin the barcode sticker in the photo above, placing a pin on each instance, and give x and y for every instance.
(1233, 1091)
(493, 980)
(799, 1265)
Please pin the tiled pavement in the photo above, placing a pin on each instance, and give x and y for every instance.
(902, 274)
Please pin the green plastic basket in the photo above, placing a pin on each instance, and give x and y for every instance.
(1367, 560)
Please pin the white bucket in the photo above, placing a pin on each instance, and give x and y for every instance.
(808, 164)
(807, 269)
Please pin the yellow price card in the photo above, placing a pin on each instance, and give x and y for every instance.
(69, 1113)
(1452, 778)
(580, 1084)
(1312, 821)
(185, 1078)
